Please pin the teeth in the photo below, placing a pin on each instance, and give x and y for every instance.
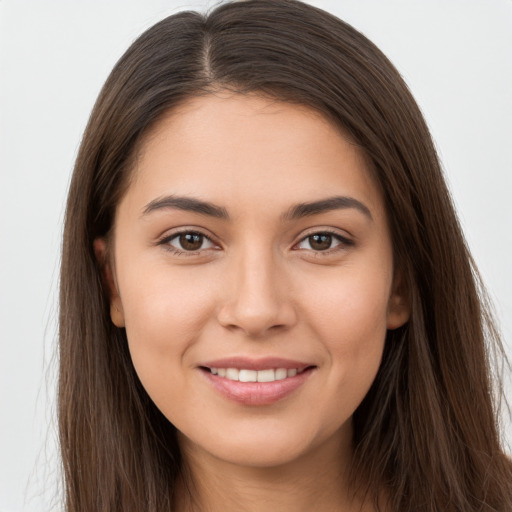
(248, 376)
(232, 374)
(266, 376)
(243, 375)
(281, 374)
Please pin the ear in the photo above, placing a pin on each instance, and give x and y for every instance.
(109, 281)
(399, 308)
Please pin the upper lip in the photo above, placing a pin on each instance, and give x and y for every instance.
(249, 363)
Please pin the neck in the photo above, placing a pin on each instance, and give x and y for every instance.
(317, 480)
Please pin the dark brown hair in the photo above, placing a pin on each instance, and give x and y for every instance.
(427, 431)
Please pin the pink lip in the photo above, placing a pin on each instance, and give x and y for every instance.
(256, 393)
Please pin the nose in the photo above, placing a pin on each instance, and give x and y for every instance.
(258, 298)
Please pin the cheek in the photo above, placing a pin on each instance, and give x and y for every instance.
(165, 314)
(350, 319)
(349, 308)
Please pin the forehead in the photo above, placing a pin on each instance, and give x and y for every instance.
(240, 150)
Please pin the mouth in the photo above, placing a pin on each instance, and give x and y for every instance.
(256, 382)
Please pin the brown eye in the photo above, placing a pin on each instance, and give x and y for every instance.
(191, 241)
(188, 241)
(324, 241)
(320, 242)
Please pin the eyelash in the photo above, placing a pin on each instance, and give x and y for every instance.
(343, 242)
(179, 252)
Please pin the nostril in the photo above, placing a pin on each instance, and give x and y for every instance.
(257, 319)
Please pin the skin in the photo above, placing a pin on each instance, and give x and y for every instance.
(256, 287)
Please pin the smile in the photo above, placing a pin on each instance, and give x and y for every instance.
(256, 382)
(245, 375)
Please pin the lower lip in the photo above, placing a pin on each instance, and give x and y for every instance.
(257, 393)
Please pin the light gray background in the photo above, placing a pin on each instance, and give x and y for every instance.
(456, 56)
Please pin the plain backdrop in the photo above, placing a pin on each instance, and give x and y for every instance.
(456, 56)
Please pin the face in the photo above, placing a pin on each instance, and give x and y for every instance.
(252, 269)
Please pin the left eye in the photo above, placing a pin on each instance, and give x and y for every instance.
(190, 241)
(321, 242)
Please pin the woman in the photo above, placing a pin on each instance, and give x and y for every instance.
(266, 299)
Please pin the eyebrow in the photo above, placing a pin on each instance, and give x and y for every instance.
(301, 210)
(297, 211)
(188, 204)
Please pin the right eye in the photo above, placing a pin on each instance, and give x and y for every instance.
(188, 241)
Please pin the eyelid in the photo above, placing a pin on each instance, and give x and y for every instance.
(164, 240)
(344, 240)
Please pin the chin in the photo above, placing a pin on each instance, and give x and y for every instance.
(260, 445)
(257, 456)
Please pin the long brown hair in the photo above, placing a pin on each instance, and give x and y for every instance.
(427, 431)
